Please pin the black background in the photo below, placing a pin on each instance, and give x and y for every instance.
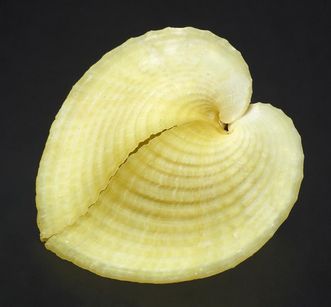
(46, 47)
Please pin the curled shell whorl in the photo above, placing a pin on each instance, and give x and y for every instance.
(193, 199)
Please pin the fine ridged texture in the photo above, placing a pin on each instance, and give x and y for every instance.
(157, 169)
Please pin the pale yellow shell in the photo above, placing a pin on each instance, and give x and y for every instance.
(193, 199)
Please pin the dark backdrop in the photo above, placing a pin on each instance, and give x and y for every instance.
(46, 46)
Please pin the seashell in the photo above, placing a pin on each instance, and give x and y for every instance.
(158, 169)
